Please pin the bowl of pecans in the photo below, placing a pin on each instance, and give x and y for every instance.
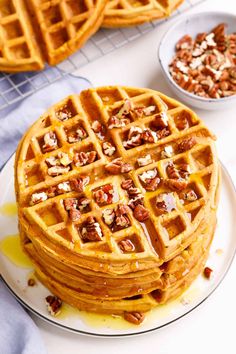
(198, 58)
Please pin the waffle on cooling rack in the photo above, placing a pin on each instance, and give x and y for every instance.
(34, 32)
(123, 13)
(117, 191)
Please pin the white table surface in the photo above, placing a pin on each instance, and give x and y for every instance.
(210, 328)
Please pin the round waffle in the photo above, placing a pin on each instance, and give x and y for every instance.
(117, 191)
(123, 13)
(32, 32)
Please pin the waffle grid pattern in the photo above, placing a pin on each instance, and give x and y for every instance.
(171, 229)
(15, 87)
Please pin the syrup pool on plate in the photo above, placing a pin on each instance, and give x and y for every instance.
(10, 246)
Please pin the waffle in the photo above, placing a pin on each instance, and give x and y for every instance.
(120, 13)
(115, 188)
(32, 32)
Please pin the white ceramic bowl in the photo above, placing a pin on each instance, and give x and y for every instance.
(192, 25)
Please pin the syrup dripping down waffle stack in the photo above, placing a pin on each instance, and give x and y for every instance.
(117, 192)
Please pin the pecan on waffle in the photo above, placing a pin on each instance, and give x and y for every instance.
(119, 13)
(32, 32)
(117, 191)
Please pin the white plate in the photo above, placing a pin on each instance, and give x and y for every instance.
(221, 256)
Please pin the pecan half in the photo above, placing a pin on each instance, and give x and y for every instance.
(54, 304)
(117, 166)
(141, 213)
(126, 246)
(186, 144)
(134, 317)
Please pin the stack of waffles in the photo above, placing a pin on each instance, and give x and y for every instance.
(117, 191)
(33, 32)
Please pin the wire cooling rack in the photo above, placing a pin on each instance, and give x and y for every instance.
(15, 87)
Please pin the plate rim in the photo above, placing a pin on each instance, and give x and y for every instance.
(119, 335)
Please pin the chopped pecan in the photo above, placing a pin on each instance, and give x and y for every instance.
(117, 166)
(31, 282)
(144, 111)
(127, 184)
(176, 184)
(167, 152)
(63, 187)
(108, 216)
(134, 138)
(187, 144)
(125, 109)
(134, 317)
(104, 194)
(160, 121)
(38, 198)
(52, 191)
(74, 214)
(126, 246)
(83, 203)
(122, 221)
(50, 142)
(54, 304)
(64, 159)
(149, 136)
(144, 161)
(207, 272)
(63, 114)
(141, 213)
(133, 202)
(91, 230)
(162, 133)
(172, 171)
(152, 184)
(189, 196)
(57, 170)
(78, 184)
(165, 203)
(70, 203)
(184, 170)
(108, 148)
(186, 42)
(115, 122)
(98, 129)
(122, 209)
(84, 158)
(76, 136)
(147, 175)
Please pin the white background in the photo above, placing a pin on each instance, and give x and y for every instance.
(211, 327)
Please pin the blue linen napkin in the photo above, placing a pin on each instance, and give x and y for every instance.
(18, 333)
(14, 123)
